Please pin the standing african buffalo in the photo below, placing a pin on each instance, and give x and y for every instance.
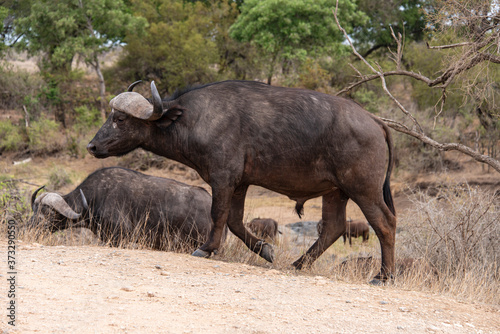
(297, 142)
(356, 229)
(264, 228)
(120, 204)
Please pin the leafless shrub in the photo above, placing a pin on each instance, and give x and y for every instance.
(458, 235)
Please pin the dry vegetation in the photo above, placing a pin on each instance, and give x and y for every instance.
(447, 243)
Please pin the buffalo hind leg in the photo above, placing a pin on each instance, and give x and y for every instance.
(383, 223)
(334, 225)
(235, 224)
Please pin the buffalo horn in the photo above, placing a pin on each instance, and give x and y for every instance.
(157, 103)
(58, 203)
(136, 105)
(33, 197)
(84, 200)
(131, 87)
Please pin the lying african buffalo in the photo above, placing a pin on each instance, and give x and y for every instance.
(297, 142)
(120, 204)
(264, 228)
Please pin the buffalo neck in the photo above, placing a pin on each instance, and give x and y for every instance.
(169, 142)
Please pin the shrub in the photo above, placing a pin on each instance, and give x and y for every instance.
(58, 178)
(458, 234)
(13, 201)
(11, 137)
(45, 137)
(86, 122)
(86, 118)
(18, 87)
(312, 75)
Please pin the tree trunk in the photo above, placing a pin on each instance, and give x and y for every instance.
(102, 87)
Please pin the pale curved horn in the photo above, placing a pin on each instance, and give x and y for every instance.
(84, 200)
(58, 203)
(136, 105)
(132, 103)
(33, 197)
(157, 103)
(131, 87)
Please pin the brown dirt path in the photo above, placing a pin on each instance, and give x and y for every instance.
(89, 289)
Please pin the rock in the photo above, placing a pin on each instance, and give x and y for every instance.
(307, 228)
(127, 288)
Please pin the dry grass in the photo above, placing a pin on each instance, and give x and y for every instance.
(457, 235)
(447, 244)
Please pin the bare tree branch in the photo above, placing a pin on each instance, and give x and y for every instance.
(439, 47)
(379, 73)
(443, 147)
(468, 60)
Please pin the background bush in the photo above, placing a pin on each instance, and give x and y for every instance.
(458, 235)
(11, 137)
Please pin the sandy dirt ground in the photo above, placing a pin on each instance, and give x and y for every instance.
(92, 289)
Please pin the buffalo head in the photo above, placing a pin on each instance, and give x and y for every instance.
(52, 211)
(131, 115)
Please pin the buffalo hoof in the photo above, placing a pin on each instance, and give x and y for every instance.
(201, 253)
(265, 250)
(377, 282)
(298, 264)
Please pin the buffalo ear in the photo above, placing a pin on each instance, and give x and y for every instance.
(169, 116)
(173, 112)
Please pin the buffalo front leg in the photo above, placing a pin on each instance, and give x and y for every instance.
(334, 225)
(221, 199)
(235, 224)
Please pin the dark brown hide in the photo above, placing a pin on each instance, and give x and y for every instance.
(264, 228)
(297, 142)
(125, 205)
(356, 229)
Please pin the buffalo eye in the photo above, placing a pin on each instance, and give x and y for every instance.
(119, 119)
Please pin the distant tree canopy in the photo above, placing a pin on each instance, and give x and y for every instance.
(10, 10)
(293, 29)
(178, 48)
(60, 29)
(404, 16)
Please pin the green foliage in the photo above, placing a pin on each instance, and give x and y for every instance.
(236, 60)
(294, 29)
(87, 118)
(61, 29)
(406, 17)
(178, 48)
(371, 100)
(11, 137)
(430, 63)
(3, 15)
(45, 137)
(86, 122)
